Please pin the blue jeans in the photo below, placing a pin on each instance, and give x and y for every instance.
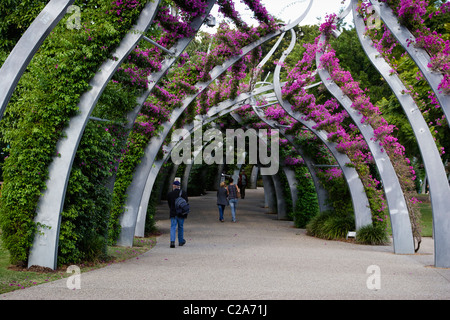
(173, 229)
(233, 203)
(221, 210)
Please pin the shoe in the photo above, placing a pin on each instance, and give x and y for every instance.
(182, 243)
(221, 220)
(172, 244)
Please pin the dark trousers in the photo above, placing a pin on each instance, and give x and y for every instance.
(242, 192)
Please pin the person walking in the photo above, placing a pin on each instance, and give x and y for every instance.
(175, 219)
(242, 183)
(222, 200)
(233, 191)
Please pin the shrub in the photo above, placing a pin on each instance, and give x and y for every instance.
(328, 225)
(372, 235)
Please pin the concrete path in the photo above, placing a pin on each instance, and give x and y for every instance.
(256, 258)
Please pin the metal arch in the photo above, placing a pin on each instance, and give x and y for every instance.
(360, 202)
(279, 195)
(269, 194)
(136, 227)
(154, 172)
(254, 177)
(400, 221)
(363, 215)
(213, 113)
(289, 172)
(22, 53)
(437, 179)
(322, 194)
(136, 188)
(276, 184)
(419, 55)
(45, 246)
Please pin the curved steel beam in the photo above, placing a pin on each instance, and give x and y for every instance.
(419, 55)
(437, 178)
(279, 194)
(45, 246)
(400, 221)
(253, 178)
(22, 53)
(292, 181)
(142, 171)
(361, 207)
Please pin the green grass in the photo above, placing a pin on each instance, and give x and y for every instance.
(427, 219)
(13, 279)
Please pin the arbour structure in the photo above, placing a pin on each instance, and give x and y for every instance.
(44, 250)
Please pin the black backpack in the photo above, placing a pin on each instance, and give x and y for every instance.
(181, 206)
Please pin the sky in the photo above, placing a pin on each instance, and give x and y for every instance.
(290, 10)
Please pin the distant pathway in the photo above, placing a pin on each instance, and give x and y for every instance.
(256, 258)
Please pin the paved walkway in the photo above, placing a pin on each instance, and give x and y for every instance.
(256, 258)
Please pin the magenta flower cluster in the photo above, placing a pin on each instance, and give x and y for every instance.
(267, 22)
(261, 13)
(332, 118)
(411, 13)
(191, 8)
(120, 7)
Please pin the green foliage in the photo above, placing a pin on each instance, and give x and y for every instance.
(338, 193)
(46, 98)
(352, 58)
(307, 205)
(17, 15)
(124, 177)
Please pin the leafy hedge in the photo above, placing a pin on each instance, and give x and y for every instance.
(46, 98)
(307, 205)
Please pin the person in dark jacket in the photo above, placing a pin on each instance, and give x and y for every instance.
(242, 183)
(176, 220)
(222, 200)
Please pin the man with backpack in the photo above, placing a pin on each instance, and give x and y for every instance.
(242, 183)
(179, 207)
